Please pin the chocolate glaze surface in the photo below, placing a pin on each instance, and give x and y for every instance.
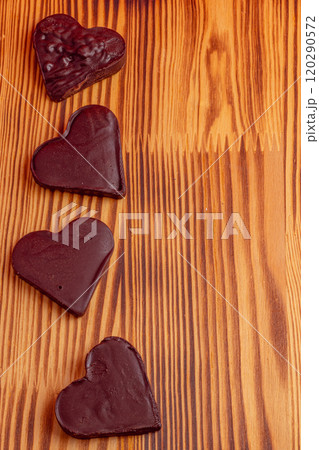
(65, 274)
(87, 159)
(72, 58)
(114, 398)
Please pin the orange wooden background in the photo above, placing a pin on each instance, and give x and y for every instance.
(198, 74)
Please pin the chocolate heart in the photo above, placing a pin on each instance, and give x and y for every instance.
(72, 58)
(65, 266)
(87, 159)
(113, 399)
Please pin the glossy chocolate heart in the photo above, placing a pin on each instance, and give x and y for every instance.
(113, 399)
(72, 58)
(65, 266)
(87, 159)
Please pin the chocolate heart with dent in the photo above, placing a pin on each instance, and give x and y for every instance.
(113, 399)
(65, 266)
(87, 159)
(72, 58)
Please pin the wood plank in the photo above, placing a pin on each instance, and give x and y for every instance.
(198, 75)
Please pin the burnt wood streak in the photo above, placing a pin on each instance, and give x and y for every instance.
(198, 74)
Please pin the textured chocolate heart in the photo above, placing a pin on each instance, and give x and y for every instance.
(72, 58)
(87, 159)
(65, 266)
(113, 399)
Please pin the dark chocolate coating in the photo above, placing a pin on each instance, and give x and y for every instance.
(72, 58)
(88, 160)
(65, 274)
(113, 399)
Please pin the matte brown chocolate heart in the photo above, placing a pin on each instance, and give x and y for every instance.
(65, 266)
(87, 159)
(72, 58)
(113, 399)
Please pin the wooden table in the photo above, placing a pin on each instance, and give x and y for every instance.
(217, 321)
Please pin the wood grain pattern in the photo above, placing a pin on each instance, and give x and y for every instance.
(198, 74)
